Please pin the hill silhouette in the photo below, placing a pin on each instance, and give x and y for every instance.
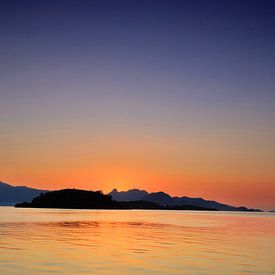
(73, 198)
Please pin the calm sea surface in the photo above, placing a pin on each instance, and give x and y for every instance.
(135, 241)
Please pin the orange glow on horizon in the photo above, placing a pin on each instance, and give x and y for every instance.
(214, 171)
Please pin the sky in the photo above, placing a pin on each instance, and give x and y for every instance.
(177, 96)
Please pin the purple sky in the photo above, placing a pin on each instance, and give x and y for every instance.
(174, 73)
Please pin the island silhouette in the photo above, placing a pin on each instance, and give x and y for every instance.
(131, 199)
(83, 199)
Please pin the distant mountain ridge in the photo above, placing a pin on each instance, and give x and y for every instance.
(166, 200)
(10, 195)
(130, 195)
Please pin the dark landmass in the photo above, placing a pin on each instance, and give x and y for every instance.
(81, 199)
(10, 195)
(72, 198)
(166, 200)
(153, 205)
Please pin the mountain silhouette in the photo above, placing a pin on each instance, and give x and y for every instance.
(130, 195)
(10, 195)
(166, 200)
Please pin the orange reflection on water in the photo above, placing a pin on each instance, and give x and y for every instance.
(118, 241)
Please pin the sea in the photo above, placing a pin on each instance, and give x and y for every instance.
(65, 241)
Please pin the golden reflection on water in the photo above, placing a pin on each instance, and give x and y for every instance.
(118, 241)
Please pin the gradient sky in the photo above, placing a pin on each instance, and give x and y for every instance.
(177, 96)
